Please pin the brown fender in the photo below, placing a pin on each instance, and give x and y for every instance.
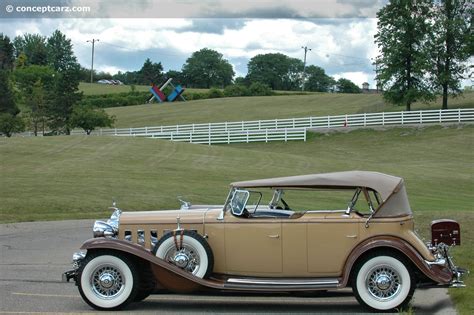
(170, 276)
(439, 274)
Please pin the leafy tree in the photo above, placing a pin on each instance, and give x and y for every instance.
(36, 84)
(6, 53)
(402, 37)
(151, 73)
(450, 45)
(260, 89)
(88, 118)
(34, 48)
(177, 76)
(59, 52)
(10, 124)
(7, 100)
(347, 86)
(207, 68)
(317, 80)
(278, 71)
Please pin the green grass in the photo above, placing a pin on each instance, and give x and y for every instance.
(96, 88)
(262, 107)
(52, 178)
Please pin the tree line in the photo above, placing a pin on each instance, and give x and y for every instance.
(425, 48)
(39, 78)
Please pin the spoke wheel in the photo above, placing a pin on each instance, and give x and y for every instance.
(108, 281)
(383, 282)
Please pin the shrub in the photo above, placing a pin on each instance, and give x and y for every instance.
(215, 93)
(235, 90)
(260, 89)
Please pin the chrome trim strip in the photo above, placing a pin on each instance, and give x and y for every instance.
(325, 282)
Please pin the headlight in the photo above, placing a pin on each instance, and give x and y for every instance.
(102, 229)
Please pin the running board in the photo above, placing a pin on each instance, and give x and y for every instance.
(283, 284)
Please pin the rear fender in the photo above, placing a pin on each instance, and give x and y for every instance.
(437, 273)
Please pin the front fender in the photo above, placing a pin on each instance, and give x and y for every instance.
(168, 275)
(437, 273)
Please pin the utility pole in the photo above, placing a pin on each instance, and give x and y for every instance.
(304, 66)
(92, 63)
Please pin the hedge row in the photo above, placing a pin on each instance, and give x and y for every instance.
(137, 98)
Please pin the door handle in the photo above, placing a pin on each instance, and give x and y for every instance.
(351, 236)
(274, 236)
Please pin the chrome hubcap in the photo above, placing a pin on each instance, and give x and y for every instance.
(186, 258)
(107, 281)
(181, 260)
(383, 282)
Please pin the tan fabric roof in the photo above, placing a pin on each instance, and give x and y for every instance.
(391, 188)
(384, 184)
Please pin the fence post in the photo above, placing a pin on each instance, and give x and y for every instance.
(329, 121)
(115, 131)
(403, 116)
(383, 118)
(228, 137)
(459, 115)
(193, 127)
(247, 136)
(365, 119)
(259, 125)
(146, 131)
(191, 137)
(226, 126)
(421, 117)
(209, 137)
(304, 135)
(266, 135)
(171, 136)
(311, 121)
(286, 134)
(293, 123)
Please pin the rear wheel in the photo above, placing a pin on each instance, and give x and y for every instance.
(383, 282)
(108, 281)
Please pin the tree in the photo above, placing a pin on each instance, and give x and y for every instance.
(450, 45)
(347, 86)
(278, 71)
(59, 52)
(6, 53)
(207, 68)
(151, 73)
(403, 37)
(36, 84)
(10, 122)
(88, 118)
(34, 48)
(317, 80)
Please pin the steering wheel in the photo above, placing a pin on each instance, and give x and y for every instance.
(245, 213)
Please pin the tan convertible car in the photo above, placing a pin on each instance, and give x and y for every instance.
(302, 233)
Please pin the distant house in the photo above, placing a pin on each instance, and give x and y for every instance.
(367, 90)
(365, 86)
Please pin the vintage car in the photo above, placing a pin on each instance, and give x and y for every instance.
(268, 237)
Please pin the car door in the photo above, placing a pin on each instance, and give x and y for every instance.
(330, 240)
(253, 246)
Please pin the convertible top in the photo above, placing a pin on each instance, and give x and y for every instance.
(391, 188)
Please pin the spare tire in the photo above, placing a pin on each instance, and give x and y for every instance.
(188, 250)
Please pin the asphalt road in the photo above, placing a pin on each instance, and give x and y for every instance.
(34, 255)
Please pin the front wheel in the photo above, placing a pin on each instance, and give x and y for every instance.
(383, 282)
(108, 281)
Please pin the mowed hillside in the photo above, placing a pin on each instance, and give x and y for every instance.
(76, 177)
(263, 107)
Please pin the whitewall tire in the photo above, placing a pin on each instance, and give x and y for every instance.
(108, 281)
(383, 282)
(189, 251)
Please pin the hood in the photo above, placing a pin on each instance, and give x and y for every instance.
(195, 214)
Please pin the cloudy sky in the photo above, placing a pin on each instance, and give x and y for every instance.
(339, 32)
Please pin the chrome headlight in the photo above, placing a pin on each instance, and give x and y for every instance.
(109, 228)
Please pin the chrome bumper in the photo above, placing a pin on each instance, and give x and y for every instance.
(77, 257)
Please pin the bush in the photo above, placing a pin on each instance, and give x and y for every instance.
(236, 90)
(260, 89)
(10, 124)
(215, 93)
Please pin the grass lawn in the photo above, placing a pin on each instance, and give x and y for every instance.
(262, 107)
(52, 178)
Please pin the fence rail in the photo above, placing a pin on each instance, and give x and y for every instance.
(354, 120)
(235, 136)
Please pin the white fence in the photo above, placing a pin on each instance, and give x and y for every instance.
(354, 120)
(235, 136)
